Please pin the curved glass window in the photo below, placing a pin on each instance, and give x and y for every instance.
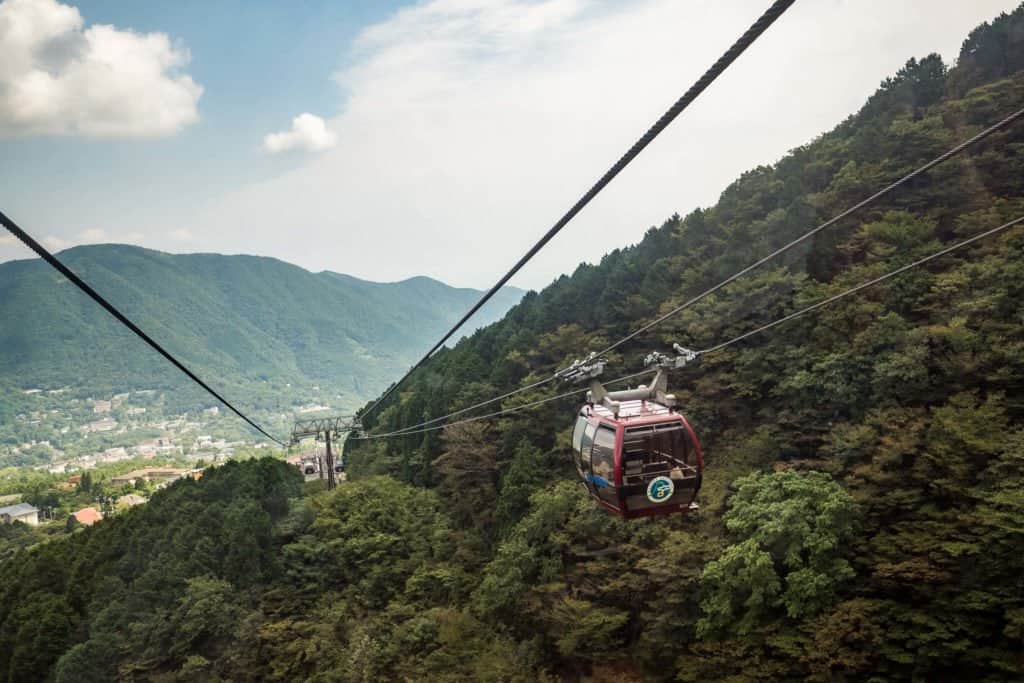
(586, 441)
(603, 465)
(577, 433)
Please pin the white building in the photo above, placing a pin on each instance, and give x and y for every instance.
(22, 512)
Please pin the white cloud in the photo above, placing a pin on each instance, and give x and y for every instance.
(59, 77)
(308, 133)
(181, 235)
(470, 126)
(55, 243)
(12, 248)
(59, 242)
(92, 235)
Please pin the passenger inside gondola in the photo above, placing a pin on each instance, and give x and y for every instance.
(652, 451)
(649, 453)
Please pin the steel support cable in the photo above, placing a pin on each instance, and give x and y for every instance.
(44, 254)
(481, 404)
(946, 156)
(863, 285)
(734, 340)
(746, 40)
(498, 413)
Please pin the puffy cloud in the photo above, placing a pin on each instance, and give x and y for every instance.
(308, 132)
(92, 235)
(58, 77)
(469, 126)
(55, 243)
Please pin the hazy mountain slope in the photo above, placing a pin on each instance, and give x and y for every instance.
(897, 410)
(436, 304)
(236, 318)
(861, 506)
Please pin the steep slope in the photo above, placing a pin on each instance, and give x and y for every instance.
(436, 304)
(863, 463)
(238, 319)
(861, 509)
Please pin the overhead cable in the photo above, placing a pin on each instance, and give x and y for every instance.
(746, 40)
(730, 342)
(864, 285)
(942, 158)
(123, 319)
(513, 409)
(945, 156)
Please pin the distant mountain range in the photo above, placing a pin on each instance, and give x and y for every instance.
(239, 320)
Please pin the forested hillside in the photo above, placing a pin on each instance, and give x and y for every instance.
(862, 505)
(242, 319)
(862, 502)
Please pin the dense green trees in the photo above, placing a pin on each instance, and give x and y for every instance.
(791, 530)
(150, 589)
(884, 544)
(248, 321)
(861, 509)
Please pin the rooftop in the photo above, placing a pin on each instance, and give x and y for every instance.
(151, 473)
(634, 411)
(17, 510)
(88, 516)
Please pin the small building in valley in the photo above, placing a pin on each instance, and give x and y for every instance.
(22, 512)
(148, 474)
(130, 501)
(88, 516)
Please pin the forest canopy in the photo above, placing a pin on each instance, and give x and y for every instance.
(861, 509)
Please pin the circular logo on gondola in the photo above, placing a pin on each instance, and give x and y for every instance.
(660, 489)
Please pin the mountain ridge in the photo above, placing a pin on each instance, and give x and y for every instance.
(236, 318)
(859, 511)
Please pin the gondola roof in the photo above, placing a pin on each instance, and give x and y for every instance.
(633, 412)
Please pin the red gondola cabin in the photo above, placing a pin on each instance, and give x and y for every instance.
(645, 461)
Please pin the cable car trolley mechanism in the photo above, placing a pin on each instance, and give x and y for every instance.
(328, 430)
(635, 452)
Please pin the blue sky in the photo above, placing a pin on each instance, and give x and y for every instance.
(258, 62)
(438, 137)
